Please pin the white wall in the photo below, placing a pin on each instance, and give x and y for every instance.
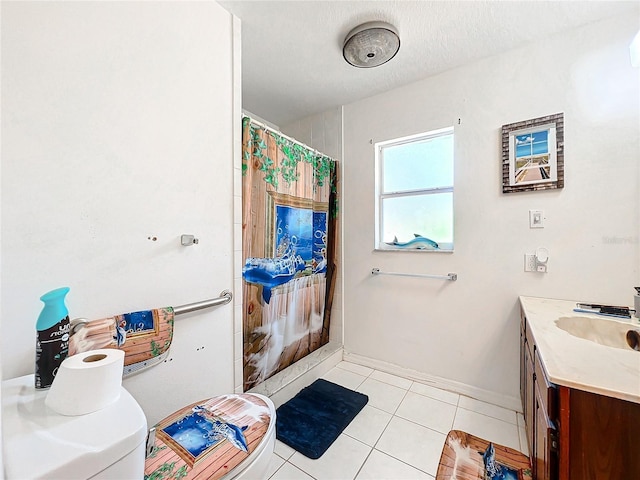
(118, 128)
(467, 331)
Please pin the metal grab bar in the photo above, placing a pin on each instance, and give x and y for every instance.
(449, 276)
(225, 297)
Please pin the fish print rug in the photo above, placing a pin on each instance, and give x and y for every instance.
(467, 457)
(312, 420)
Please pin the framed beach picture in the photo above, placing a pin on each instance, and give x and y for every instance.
(533, 154)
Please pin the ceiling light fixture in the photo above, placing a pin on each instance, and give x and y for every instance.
(371, 44)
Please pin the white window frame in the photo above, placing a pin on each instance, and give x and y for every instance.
(552, 152)
(381, 195)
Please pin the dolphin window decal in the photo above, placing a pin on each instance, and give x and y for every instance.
(417, 243)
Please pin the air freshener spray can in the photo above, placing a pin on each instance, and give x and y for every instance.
(52, 336)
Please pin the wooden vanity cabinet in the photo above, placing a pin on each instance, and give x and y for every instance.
(545, 445)
(574, 434)
(599, 438)
(539, 404)
(527, 376)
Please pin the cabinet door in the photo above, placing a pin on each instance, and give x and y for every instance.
(602, 440)
(527, 378)
(544, 458)
(523, 370)
(528, 402)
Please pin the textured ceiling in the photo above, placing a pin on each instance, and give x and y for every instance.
(292, 64)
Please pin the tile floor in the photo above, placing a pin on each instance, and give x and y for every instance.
(400, 433)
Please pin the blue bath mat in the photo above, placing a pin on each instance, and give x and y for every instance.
(312, 420)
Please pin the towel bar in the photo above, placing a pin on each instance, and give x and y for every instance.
(449, 276)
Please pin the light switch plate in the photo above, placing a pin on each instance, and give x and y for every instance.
(536, 219)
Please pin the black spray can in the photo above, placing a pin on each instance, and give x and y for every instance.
(52, 336)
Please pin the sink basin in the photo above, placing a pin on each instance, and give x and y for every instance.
(611, 333)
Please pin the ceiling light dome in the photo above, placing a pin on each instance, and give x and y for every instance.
(371, 44)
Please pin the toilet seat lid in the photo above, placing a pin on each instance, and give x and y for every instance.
(208, 439)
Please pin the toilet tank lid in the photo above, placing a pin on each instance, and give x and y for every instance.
(39, 443)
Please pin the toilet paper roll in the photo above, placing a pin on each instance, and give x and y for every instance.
(87, 382)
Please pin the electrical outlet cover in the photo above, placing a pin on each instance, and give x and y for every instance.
(530, 263)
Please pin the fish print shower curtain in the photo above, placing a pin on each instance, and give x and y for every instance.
(288, 247)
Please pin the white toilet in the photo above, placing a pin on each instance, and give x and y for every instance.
(238, 432)
(225, 437)
(39, 443)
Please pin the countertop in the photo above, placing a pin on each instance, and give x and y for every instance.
(578, 363)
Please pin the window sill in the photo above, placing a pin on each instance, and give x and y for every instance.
(413, 250)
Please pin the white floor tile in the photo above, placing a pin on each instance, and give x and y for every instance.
(428, 412)
(355, 368)
(406, 422)
(290, 472)
(283, 450)
(391, 379)
(488, 409)
(414, 444)
(382, 395)
(274, 464)
(341, 461)
(380, 466)
(488, 428)
(346, 378)
(433, 392)
(368, 425)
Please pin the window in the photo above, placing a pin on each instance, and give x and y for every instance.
(414, 192)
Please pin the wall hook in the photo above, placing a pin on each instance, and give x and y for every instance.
(187, 240)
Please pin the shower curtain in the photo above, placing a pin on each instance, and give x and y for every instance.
(288, 248)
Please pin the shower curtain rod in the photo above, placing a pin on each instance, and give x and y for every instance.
(278, 132)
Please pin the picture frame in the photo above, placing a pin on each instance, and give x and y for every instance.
(533, 154)
(290, 217)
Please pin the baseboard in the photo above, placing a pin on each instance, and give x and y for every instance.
(505, 401)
